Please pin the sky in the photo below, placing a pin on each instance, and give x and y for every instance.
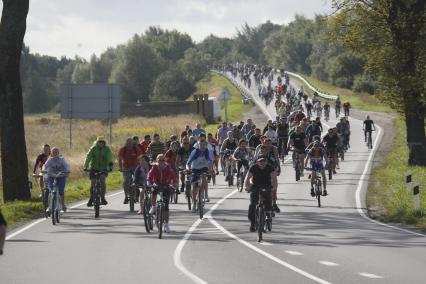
(84, 27)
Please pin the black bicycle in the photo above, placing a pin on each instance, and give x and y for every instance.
(263, 219)
(148, 218)
(317, 185)
(200, 179)
(96, 190)
(369, 140)
(187, 185)
(132, 192)
(44, 193)
(296, 164)
(242, 175)
(228, 172)
(160, 210)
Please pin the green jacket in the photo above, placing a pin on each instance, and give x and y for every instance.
(98, 158)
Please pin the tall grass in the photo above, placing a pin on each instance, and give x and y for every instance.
(387, 189)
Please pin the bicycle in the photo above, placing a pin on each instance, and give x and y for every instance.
(337, 111)
(54, 202)
(96, 190)
(262, 221)
(199, 187)
(317, 185)
(148, 218)
(132, 195)
(241, 176)
(160, 210)
(369, 140)
(327, 115)
(188, 193)
(228, 172)
(296, 164)
(44, 193)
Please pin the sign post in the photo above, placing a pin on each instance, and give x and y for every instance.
(90, 101)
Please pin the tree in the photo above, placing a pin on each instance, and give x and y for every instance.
(391, 34)
(217, 47)
(14, 159)
(35, 95)
(195, 64)
(136, 69)
(172, 85)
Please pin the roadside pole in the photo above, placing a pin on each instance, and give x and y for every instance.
(225, 96)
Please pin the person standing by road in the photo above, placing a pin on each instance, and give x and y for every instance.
(99, 158)
(127, 163)
(260, 176)
(346, 108)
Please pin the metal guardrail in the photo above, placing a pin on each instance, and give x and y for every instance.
(323, 95)
(244, 92)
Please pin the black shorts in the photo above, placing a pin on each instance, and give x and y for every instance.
(196, 172)
(166, 195)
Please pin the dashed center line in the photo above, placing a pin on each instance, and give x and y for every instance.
(370, 275)
(328, 263)
(292, 252)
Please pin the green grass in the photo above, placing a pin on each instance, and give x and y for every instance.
(362, 101)
(387, 190)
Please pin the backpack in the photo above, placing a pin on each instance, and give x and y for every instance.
(198, 153)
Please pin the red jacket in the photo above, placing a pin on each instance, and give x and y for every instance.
(164, 176)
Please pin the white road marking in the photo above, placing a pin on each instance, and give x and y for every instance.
(267, 255)
(178, 251)
(328, 263)
(266, 244)
(38, 221)
(292, 252)
(361, 182)
(370, 275)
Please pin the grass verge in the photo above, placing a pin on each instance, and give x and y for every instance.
(387, 198)
(362, 101)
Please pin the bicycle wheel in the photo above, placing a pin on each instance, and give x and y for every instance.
(160, 219)
(330, 170)
(146, 216)
(57, 216)
(201, 201)
(176, 195)
(297, 170)
(45, 199)
(52, 209)
(370, 142)
(260, 222)
(214, 178)
(318, 194)
(269, 224)
(132, 199)
(342, 155)
(188, 194)
(97, 203)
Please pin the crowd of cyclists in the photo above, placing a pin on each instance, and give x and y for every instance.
(258, 152)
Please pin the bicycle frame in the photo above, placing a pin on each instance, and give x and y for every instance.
(200, 179)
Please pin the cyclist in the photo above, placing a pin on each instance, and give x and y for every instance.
(222, 133)
(181, 160)
(343, 131)
(173, 138)
(171, 155)
(337, 106)
(162, 175)
(282, 134)
(330, 141)
(98, 158)
(242, 155)
(216, 151)
(346, 108)
(316, 155)
(309, 108)
(368, 126)
(3, 226)
(299, 141)
(254, 140)
(40, 161)
(127, 163)
(140, 178)
(272, 134)
(54, 165)
(229, 144)
(198, 130)
(327, 110)
(136, 142)
(156, 147)
(145, 143)
(314, 129)
(260, 176)
(200, 161)
(274, 158)
(247, 127)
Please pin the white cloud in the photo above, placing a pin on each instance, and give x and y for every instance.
(84, 27)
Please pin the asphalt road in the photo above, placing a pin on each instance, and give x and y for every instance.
(333, 244)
